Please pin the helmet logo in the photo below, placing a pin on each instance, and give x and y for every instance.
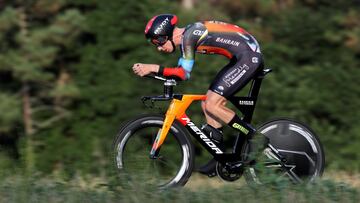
(161, 26)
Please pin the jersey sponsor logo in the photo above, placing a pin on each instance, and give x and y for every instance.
(227, 41)
(235, 75)
(255, 59)
(161, 26)
(194, 128)
(241, 128)
(198, 32)
(248, 103)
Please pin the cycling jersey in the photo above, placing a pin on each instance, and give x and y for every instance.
(231, 41)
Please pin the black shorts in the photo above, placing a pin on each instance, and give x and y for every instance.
(235, 75)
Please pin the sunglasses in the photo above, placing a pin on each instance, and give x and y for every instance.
(159, 41)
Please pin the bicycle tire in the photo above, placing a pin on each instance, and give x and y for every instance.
(288, 136)
(177, 138)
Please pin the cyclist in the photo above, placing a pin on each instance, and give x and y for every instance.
(208, 37)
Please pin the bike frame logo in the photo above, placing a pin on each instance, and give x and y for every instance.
(196, 130)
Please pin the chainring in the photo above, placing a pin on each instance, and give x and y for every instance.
(228, 175)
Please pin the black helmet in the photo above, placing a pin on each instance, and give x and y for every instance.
(160, 28)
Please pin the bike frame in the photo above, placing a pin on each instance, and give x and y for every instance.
(177, 111)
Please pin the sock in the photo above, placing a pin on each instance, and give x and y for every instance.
(241, 126)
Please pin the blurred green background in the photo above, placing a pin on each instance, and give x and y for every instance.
(66, 83)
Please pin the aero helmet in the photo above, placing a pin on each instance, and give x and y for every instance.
(160, 28)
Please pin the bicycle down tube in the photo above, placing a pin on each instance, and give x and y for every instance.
(176, 111)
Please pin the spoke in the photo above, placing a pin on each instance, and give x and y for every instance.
(171, 164)
(156, 169)
(148, 167)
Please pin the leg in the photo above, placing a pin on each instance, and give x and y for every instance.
(215, 109)
(228, 81)
(210, 119)
(212, 100)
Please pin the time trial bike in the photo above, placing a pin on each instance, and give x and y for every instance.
(157, 149)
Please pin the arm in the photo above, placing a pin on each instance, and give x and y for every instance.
(176, 72)
(194, 34)
(145, 69)
(192, 37)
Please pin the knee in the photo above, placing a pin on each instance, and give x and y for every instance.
(211, 106)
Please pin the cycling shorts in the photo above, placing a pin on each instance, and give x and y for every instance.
(235, 75)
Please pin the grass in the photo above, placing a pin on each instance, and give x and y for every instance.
(16, 188)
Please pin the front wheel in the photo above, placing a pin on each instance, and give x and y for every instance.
(298, 144)
(132, 146)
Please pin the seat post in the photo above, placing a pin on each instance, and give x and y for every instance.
(256, 83)
(255, 87)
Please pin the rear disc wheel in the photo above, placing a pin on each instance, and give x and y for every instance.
(294, 141)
